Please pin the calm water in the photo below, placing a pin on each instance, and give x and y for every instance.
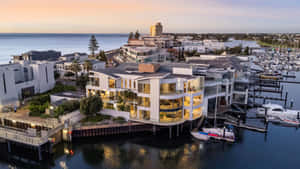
(14, 44)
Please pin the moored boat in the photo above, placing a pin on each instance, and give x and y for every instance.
(214, 133)
(276, 110)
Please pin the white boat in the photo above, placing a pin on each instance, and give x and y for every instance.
(285, 120)
(214, 133)
(277, 110)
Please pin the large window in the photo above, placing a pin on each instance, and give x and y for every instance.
(197, 100)
(94, 81)
(170, 104)
(197, 112)
(144, 101)
(133, 112)
(111, 83)
(187, 101)
(168, 88)
(168, 117)
(144, 115)
(194, 86)
(144, 88)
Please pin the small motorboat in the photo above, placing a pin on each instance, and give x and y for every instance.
(284, 120)
(214, 133)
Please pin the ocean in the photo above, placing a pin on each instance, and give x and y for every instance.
(15, 44)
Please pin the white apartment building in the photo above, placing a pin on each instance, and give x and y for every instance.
(145, 53)
(24, 79)
(65, 66)
(149, 93)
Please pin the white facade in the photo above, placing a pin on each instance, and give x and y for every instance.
(169, 96)
(24, 79)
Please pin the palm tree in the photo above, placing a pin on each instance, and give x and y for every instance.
(93, 45)
(87, 65)
(75, 67)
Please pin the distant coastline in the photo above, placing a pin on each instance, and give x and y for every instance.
(17, 43)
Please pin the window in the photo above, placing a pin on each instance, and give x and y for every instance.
(170, 104)
(144, 101)
(144, 88)
(4, 83)
(197, 112)
(111, 83)
(144, 115)
(187, 101)
(125, 83)
(168, 88)
(197, 100)
(186, 114)
(129, 83)
(134, 84)
(195, 85)
(122, 85)
(168, 117)
(46, 70)
(133, 112)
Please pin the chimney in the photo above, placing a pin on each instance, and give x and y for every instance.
(148, 68)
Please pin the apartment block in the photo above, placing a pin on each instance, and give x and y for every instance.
(24, 79)
(148, 93)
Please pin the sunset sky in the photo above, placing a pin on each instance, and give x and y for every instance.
(123, 16)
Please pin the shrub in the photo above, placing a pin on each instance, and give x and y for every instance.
(66, 107)
(91, 105)
(62, 88)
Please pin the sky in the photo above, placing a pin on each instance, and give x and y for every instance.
(123, 16)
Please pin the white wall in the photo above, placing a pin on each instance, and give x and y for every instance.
(154, 99)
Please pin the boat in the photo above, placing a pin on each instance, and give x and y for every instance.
(284, 120)
(271, 76)
(214, 133)
(277, 110)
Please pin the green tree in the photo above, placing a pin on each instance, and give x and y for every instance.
(91, 105)
(130, 36)
(87, 65)
(82, 81)
(137, 35)
(75, 67)
(102, 56)
(93, 45)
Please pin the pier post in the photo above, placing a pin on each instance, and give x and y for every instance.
(154, 130)
(170, 132)
(266, 115)
(181, 128)
(40, 153)
(8, 146)
(177, 130)
(286, 94)
(292, 103)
